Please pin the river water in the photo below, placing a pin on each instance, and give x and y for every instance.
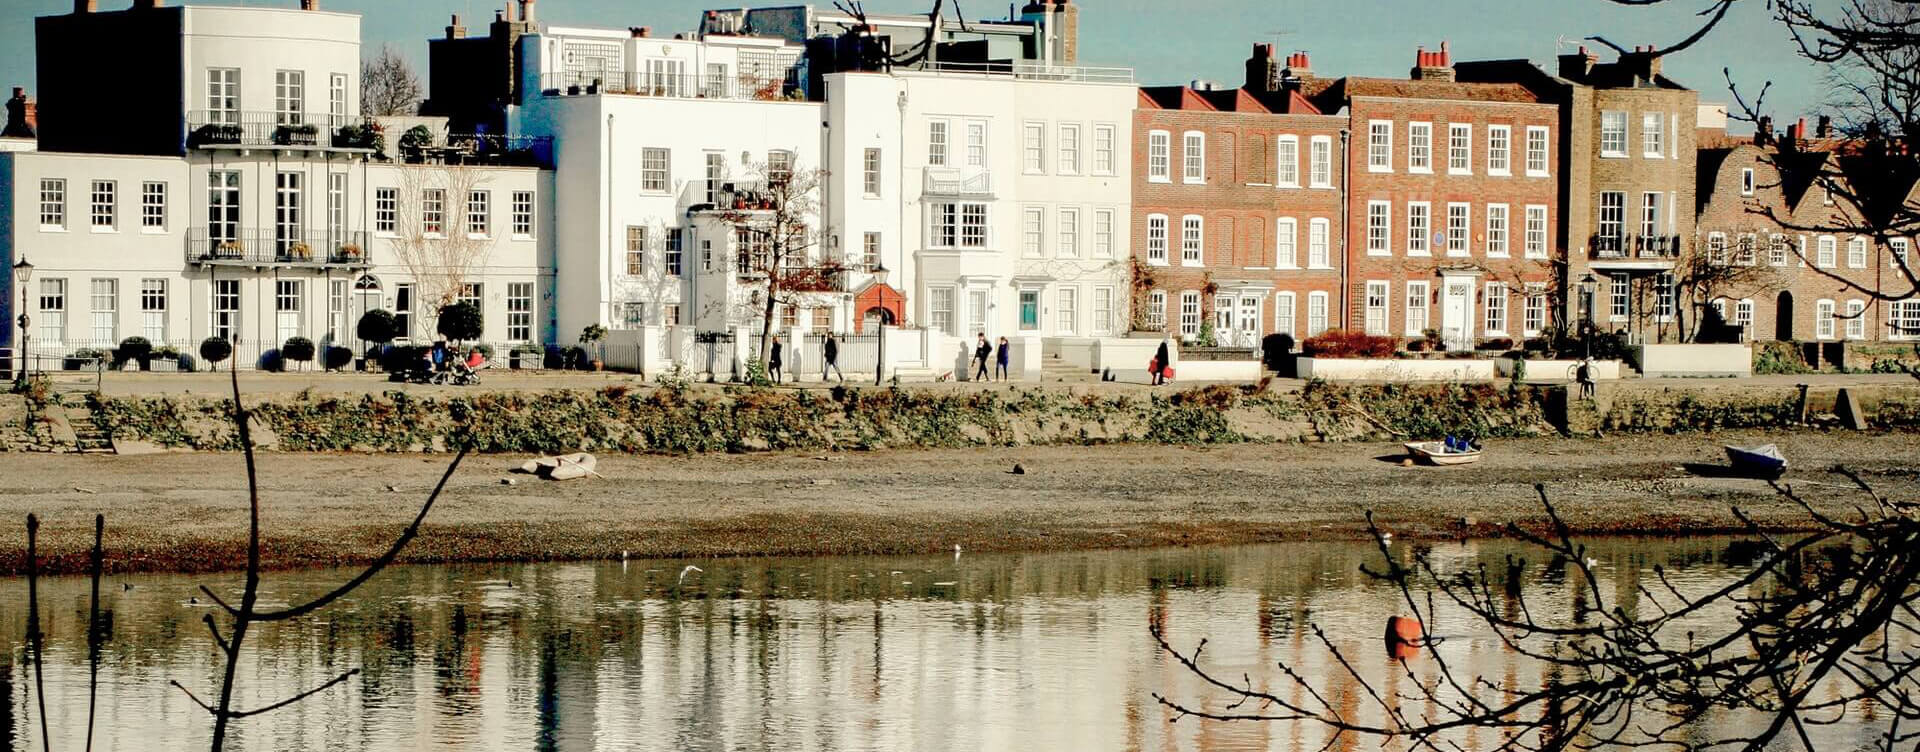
(976, 652)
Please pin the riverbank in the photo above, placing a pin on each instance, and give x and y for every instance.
(186, 511)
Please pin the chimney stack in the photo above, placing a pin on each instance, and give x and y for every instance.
(21, 121)
(84, 6)
(147, 4)
(1577, 66)
(1263, 71)
(511, 15)
(1798, 132)
(455, 30)
(1825, 128)
(640, 32)
(309, 4)
(1298, 66)
(526, 11)
(1433, 66)
(1763, 131)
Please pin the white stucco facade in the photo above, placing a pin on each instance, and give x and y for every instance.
(279, 218)
(1012, 196)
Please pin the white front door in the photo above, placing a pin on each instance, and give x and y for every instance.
(1456, 315)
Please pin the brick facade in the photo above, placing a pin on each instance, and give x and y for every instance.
(1807, 285)
(1250, 278)
(1471, 219)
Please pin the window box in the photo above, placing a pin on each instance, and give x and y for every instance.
(297, 135)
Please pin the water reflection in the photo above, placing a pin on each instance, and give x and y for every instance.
(980, 653)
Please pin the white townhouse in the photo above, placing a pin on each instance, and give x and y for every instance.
(243, 195)
(657, 142)
(1012, 197)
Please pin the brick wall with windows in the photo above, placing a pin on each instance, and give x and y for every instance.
(1812, 252)
(1269, 223)
(1452, 209)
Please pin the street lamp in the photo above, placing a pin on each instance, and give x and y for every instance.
(22, 274)
(879, 272)
(1587, 285)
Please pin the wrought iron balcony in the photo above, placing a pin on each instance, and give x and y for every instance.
(476, 149)
(283, 130)
(245, 246)
(1634, 246)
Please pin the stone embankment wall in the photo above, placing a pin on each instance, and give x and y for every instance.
(663, 420)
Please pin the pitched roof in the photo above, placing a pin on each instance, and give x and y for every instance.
(1336, 93)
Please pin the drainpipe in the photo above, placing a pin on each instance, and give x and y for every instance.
(1346, 228)
(606, 256)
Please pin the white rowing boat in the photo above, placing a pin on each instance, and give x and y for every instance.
(1436, 453)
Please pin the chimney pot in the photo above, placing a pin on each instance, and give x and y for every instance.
(309, 4)
(84, 6)
(1825, 128)
(526, 11)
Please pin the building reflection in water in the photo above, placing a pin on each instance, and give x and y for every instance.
(1046, 651)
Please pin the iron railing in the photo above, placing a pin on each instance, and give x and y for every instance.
(298, 130)
(1038, 71)
(245, 246)
(479, 149)
(1635, 246)
(679, 85)
(951, 181)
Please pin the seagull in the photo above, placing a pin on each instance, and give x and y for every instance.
(623, 554)
(690, 568)
(956, 552)
(1591, 563)
(1386, 537)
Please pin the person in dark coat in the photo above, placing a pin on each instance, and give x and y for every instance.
(830, 359)
(773, 362)
(981, 353)
(1160, 357)
(1005, 354)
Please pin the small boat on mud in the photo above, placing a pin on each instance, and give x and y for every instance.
(561, 467)
(1438, 453)
(1764, 461)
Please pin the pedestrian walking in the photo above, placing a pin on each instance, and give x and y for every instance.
(1005, 354)
(981, 353)
(1159, 364)
(830, 359)
(1583, 374)
(773, 362)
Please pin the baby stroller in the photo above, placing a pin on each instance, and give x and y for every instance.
(462, 372)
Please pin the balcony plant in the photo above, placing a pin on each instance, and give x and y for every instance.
(414, 143)
(350, 252)
(300, 252)
(228, 249)
(306, 134)
(214, 133)
(359, 137)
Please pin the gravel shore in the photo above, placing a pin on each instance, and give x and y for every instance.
(186, 512)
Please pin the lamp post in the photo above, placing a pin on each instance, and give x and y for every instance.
(1587, 285)
(22, 274)
(880, 361)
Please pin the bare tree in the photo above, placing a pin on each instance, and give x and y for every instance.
(388, 85)
(778, 245)
(243, 617)
(435, 243)
(1818, 631)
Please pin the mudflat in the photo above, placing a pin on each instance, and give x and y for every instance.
(187, 511)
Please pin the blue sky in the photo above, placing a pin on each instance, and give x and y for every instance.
(1173, 41)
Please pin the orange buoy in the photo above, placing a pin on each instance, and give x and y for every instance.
(1403, 637)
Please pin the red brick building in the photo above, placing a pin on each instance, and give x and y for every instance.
(1798, 211)
(1238, 211)
(1453, 218)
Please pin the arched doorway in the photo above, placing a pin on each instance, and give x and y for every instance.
(1783, 317)
(876, 316)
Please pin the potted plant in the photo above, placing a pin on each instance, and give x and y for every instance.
(350, 252)
(376, 326)
(300, 252)
(227, 249)
(592, 336)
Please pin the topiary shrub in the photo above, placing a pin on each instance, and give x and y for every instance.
(337, 358)
(377, 326)
(136, 349)
(1496, 344)
(215, 350)
(185, 363)
(297, 350)
(460, 322)
(1342, 343)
